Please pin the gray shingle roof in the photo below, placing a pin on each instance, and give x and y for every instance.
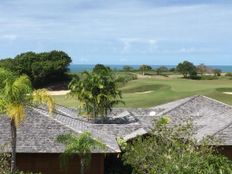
(38, 132)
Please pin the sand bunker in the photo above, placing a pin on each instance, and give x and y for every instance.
(144, 92)
(62, 92)
(229, 93)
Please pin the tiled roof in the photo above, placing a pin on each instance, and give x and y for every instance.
(38, 132)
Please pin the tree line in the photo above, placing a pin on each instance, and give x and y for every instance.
(41, 68)
(186, 68)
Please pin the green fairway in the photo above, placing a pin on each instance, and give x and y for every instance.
(150, 92)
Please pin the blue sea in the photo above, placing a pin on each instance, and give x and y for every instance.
(81, 68)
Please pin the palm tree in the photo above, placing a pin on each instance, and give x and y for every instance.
(81, 145)
(16, 94)
(96, 92)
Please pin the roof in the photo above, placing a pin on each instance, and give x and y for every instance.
(38, 132)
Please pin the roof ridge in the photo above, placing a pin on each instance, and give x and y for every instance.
(225, 104)
(181, 104)
(44, 112)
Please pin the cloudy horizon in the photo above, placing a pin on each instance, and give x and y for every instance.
(158, 32)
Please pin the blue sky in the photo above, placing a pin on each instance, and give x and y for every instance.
(120, 31)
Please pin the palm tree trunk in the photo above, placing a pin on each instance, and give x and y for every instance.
(13, 147)
(82, 165)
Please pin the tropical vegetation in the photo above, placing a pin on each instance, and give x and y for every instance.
(42, 68)
(81, 145)
(145, 68)
(97, 92)
(173, 149)
(16, 94)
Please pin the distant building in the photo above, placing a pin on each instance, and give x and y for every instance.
(37, 149)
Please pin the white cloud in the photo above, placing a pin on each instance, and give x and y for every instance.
(129, 44)
(187, 50)
(9, 37)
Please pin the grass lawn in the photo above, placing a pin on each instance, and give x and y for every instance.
(150, 92)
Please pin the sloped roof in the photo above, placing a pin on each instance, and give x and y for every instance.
(38, 132)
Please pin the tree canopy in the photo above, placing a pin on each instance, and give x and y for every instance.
(145, 68)
(168, 150)
(16, 94)
(41, 68)
(187, 68)
(82, 145)
(96, 92)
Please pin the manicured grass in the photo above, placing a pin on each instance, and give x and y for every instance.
(150, 92)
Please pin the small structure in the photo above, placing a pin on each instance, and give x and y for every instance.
(37, 149)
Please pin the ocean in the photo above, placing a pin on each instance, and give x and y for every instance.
(81, 68)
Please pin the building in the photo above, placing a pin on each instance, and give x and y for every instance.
(37, 149)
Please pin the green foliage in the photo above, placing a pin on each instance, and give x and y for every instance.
(21, 172)
(217, 72)
(127, 68)
(187, 69)
(15, 95)
(81, 145)
(229, 74)
(122, 143)
(4, 161)
(202, 69)
(122, 79)
(41, 68)
(161, 70)
(97, 92)
(145, 68)
(169, 150)
(209, 77)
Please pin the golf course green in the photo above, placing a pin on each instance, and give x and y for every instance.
(142, 93)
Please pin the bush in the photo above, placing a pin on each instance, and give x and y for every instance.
(122, 79)
(229, 74)
(208, 77)
(4, 163)
(173, 150)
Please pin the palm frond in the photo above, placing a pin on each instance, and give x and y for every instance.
(41, 96)
(81, 145)
(16, 112)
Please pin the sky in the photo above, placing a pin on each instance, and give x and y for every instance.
(155, 32)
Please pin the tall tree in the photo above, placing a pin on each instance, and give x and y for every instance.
(41, 68)
(97, 92)
(16, 94)
(161, 69)
(81, 145)
(145, 68)
(186, 68)
(217, 72)
(127, 68)
(202, 69)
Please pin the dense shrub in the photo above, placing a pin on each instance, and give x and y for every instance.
(209, 77)
(173, 150)
(5, 164)
(122, 79)
(229, 74)
(42, 68)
